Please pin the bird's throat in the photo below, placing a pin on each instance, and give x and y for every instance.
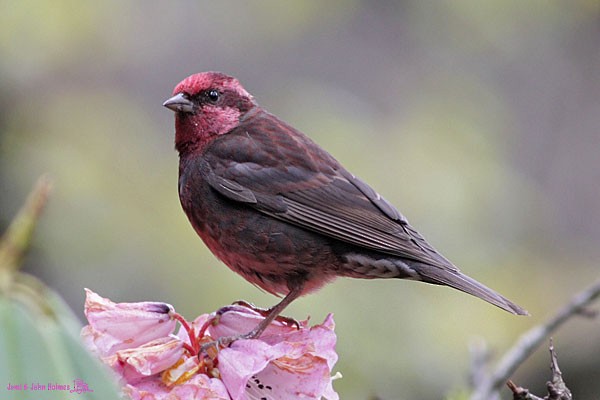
(194, 131)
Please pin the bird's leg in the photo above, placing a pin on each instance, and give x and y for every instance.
(265, 313)
(274, 312)
(255, 333)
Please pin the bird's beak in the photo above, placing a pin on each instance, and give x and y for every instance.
(180, 103)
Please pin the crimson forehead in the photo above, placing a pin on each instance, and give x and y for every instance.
(205, 80)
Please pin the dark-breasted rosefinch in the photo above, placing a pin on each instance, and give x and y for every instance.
(281, 211)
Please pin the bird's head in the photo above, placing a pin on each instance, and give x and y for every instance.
(206, 105)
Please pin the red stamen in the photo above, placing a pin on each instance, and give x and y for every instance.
(204, 327)
(194, 346)
(190, 349)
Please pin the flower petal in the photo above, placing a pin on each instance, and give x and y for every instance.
(151, 358)
(306, 377)
(118, 326)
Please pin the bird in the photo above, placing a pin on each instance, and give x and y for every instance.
(282, 212)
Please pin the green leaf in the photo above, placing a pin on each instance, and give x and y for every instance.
(36, 349)
(41, 355)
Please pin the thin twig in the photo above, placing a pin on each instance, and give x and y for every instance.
(531, 340)
(520, 393)
(557, 388)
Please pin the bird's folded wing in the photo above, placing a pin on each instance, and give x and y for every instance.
(341, 207)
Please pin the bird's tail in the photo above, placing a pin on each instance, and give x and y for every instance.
(457, 280)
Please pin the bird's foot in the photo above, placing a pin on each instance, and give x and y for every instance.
(265, 313)
(213, 347)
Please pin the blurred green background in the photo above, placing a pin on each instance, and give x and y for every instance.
(479, 120)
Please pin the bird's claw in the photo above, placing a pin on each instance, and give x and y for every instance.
(265, 312)
(213, 347)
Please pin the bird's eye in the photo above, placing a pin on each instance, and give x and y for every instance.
(213, 95)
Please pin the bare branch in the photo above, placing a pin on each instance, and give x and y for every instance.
(529, 341)
(557, 389)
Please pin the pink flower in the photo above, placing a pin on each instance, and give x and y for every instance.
(136, 340)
